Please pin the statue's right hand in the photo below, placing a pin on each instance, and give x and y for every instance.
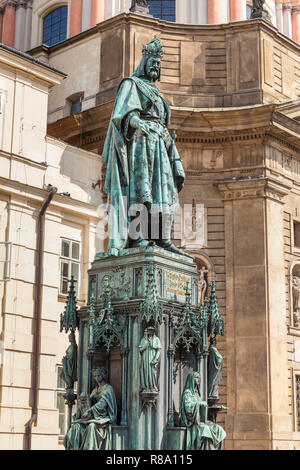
(137, 123)
(144, 128)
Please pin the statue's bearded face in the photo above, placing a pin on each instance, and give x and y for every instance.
(153, 68)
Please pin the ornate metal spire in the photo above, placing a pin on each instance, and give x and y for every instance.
(151, 308)
(215, 321)
(69, 319)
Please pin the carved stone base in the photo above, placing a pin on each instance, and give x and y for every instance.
(264, 15)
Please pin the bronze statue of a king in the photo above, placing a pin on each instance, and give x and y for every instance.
(144, 170)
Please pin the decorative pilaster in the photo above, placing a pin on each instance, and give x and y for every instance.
(97, 12)
(255, 308)
(237, 10)
(296, 23)
(20, 25)
(28, 23)
(279, 15)
(287, 19)
(213, 11)
(1, 25)
(8, 35)
(75, 17)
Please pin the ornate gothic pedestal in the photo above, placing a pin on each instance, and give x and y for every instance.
(144, 325)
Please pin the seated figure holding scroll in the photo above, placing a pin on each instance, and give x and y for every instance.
(201, 434)
(93, 430)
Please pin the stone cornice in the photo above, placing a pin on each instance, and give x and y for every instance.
(37, 195)
(124, 19)
(253, 188)
(20, 61)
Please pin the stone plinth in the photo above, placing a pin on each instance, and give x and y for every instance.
(128, 275)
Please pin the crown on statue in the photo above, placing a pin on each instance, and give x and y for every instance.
(153, 48)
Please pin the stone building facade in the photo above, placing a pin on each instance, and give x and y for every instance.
(33, 164)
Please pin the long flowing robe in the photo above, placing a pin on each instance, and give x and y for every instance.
(215, 364)
(200, 434)
(140, 169)
(69, 363)
(96, 433)
(150, 350)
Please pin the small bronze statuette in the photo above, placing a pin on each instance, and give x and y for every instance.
(150, 348)
(201, 434)
(258, 10)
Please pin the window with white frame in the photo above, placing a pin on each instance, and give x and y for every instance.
(69, 265)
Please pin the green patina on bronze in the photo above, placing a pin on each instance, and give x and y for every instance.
(143, 164)
(92, 428)
(69, 319)
(69, 322)
(104, 326)
(201, 434)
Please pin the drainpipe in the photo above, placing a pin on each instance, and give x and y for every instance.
(37, 315)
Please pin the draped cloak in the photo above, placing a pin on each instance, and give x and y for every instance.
(215, 364)
(69, 362)
(96, 434)
(149, 349)
(140, 169)
(200, 433)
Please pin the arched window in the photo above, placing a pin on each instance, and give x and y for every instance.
(55, 26)
(164, 9)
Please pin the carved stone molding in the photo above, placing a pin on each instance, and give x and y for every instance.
(254, 188)
(149, 399)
